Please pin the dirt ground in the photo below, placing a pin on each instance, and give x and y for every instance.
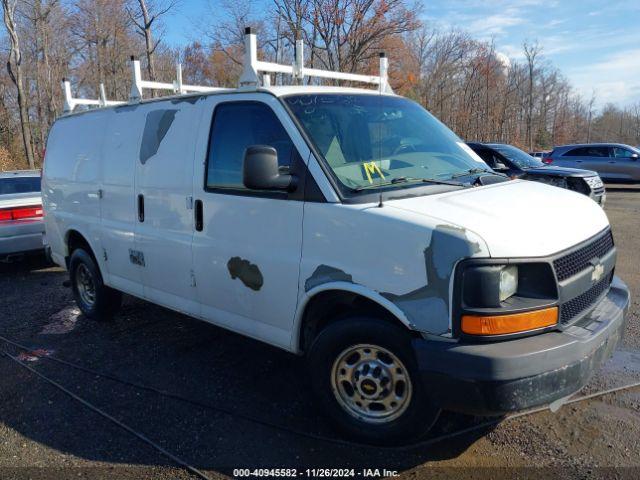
(217, 400)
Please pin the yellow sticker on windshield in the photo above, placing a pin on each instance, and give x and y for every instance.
(372, 168)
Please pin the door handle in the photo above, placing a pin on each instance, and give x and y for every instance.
(612, 161)
(141, 208)
(198, 212)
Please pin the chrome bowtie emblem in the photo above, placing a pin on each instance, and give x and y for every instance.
(598, 271)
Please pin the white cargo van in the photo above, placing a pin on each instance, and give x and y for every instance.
(346, 225)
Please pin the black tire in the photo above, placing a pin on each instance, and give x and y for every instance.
(106, 300)
(418, 415)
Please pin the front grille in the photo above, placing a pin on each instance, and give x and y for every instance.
(598, 191)
(577, 305)
(576, 261)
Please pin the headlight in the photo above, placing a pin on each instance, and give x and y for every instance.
(489, 285)
(594, 182)
(508, 282)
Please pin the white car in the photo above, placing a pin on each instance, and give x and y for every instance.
(21, 226)
(347, 225)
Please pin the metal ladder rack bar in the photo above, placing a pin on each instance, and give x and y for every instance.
(254, 73)
(70, 102)
(252, 67)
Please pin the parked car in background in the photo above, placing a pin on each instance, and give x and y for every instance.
(540, 155)
(514, 162)
(21, 225)
(613, 161)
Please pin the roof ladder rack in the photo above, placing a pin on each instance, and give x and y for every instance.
(250, 77)
(139, 85)
(70, 103)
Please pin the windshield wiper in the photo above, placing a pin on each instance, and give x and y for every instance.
(472, 171)
(403, 180)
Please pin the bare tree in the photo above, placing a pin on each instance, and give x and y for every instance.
(14, 67)
(531, 53)
(144, 17)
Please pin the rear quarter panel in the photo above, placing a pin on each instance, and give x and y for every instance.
(71, 180)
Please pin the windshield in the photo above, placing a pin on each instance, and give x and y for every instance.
(375, 140)
(517, 156)
(19, 185)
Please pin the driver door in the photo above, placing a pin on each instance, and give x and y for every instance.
(247, 244)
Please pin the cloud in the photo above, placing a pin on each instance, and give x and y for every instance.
(495, 25)
(615, 79)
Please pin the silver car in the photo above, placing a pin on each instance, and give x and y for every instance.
(613, 161)
(21, 225)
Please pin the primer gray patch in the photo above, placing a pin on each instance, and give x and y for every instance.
(326, 274)
(428, 306)
(246, 271)
(155, 129)
(126, 108)
(191, 100)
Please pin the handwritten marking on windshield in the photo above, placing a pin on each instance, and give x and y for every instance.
(372, 168)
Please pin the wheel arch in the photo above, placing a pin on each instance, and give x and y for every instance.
(74, 239)
(326, 303)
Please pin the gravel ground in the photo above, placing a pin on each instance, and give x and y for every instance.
(44, 433)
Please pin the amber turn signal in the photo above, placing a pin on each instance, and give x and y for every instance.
(512, 323)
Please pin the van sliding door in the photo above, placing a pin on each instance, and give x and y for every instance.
(164, 204)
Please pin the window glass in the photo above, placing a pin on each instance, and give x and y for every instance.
(622, 152)
(19, 185)
(486, 155)
(236, 127)
(373, 141)
(588, 152)
(517, 156)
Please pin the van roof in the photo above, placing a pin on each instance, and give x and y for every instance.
(277, 91)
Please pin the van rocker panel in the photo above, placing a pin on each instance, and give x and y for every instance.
(495, 378)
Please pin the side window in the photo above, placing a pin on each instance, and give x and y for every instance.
(576, 152)
(486, 155)
(236, 126)
(622, 152)
(588, 152)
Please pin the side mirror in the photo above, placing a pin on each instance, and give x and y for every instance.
(634, 156)
(260, 170)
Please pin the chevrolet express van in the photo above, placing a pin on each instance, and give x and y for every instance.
(346, 225)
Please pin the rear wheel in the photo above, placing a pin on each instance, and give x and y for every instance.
(94, 298)
(365, 377)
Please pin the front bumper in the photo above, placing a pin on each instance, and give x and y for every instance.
(21, 237)
(600, 198)
(496, 378)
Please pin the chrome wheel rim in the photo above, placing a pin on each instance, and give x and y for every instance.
(85, 286)
(371, 383)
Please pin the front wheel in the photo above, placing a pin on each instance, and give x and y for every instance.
(365, 376)
(94, 298)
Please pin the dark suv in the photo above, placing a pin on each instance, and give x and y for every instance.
(613, 161)
(514, 162)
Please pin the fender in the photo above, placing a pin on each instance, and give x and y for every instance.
(94, 244)
(345, 287)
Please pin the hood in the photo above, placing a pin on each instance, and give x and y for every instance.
(516, 218)
(560, 172)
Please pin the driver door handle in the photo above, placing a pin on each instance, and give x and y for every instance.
(198, 213)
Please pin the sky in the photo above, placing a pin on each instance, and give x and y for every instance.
(595, 44)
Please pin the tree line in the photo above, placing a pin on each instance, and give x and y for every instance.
(478, 92)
